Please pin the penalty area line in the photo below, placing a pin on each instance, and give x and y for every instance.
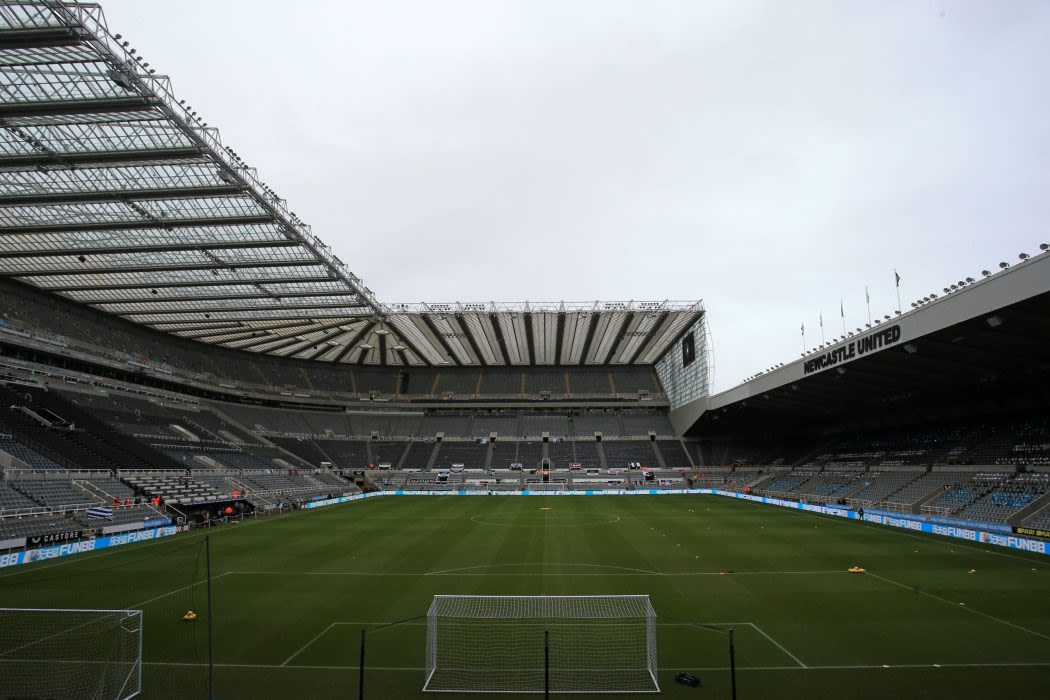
(858, 667)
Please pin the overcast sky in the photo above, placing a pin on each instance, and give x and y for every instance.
(769, 158)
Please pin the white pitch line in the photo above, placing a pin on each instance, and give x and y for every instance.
(778, 645)
(177, 590)
(960, 607)
(888, 667)
(493, 566)
(455, 573)
(303, 647)
(383, 623)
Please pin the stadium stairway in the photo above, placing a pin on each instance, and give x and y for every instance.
(761, 484)
(259, 439)
(1030, 509)
(916, 507)
(601, 457)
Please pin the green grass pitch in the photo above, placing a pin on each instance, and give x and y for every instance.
(293, 592)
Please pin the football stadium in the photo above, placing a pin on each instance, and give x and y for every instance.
(231, 471)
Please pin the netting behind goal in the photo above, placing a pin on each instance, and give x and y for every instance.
(495, 644)
(70, 654)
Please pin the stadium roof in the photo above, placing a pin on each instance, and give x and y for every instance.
(986, 343)
(117, 195)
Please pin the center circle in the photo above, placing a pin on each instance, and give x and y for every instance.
(546, 520)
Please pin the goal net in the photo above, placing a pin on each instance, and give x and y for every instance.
(496, 644)
(49, 654)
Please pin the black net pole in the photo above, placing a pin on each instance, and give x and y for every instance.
(732, 664)
(546, 664)
(361, 669)
(211, 623)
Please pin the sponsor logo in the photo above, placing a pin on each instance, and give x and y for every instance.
(905, 523)
(1032, 532)
(10, 559)
(53, 537)
(949, 531)
(1016, 543)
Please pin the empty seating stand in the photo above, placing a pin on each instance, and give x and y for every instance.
(175, 489)
(56, 494)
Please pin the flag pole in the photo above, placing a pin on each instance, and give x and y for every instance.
(803, 338)
(897, 280)
(867, 300)
(822, 328)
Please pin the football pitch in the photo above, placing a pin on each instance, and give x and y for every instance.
(931, 617)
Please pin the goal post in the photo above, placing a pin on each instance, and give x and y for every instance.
(70, 653)
(496, 644)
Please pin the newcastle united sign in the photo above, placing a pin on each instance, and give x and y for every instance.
(853, 349)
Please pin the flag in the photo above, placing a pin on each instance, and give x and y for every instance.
(867, 297)
(821, 319)
(803, 328)
(100, 512)
(898, 278)
(842, 310)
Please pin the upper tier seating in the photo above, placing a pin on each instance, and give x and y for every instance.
(120, 340)
(305, 449)
(470, 454)
(588, 423)
(674, 454)
(418, 455)
(619, 454)
(346, 454)
(587, 454)
(642, 423)
(387, 452)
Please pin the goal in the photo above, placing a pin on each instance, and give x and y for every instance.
(519, 644)
(74, 654)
